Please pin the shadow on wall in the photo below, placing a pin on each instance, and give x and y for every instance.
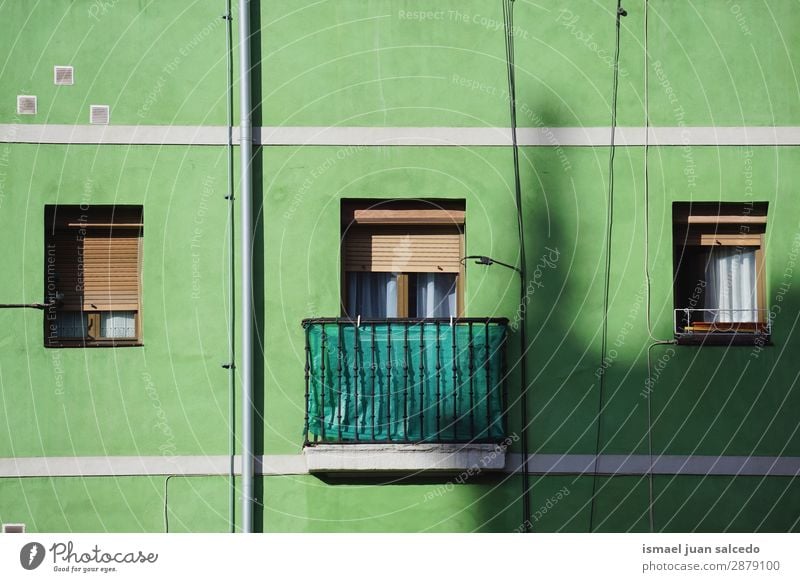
(259, 208)
(705, 400)
(555, 411)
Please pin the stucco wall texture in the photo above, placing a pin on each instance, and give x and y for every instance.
(402, 63)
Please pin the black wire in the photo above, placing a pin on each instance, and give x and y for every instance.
(166, 502)
(650, 510)
(606, 283)
(508, 21)
(656, 342)
(650, 500)
(232, 278)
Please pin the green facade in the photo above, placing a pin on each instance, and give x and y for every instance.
(401, 64)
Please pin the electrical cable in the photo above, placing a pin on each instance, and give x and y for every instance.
(232, 281)
(648, 280)
(508, 23)
(647, 172)
(166, 502)
(648, 283)
(166, 493)
(650, 498)
(609, 229)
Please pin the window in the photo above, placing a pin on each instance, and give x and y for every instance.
(402, 259)
(719, 271)
(92, 275)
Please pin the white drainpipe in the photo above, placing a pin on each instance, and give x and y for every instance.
(246, 191)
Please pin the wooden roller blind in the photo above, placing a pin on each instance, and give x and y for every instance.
(719, 223)
(97, 267)
(406, 249)
(723, 239)
(111, 270)
(407, 217)
(719, 213)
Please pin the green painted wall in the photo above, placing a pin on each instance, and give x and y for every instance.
(409, 63)
(157, 399)
(380, 63)
(306, 504)
(390, 62)
(151, 62)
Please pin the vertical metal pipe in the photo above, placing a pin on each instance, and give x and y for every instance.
(421, 380)
(308, 378)
(488, 378)
(232, 275)
(372, 383)
(246, 193)
(405, 381)
(438, 382)
(339, 360)
(504, 385)
(471, 368)
(389, 381)
(455, 383)
(355, 374)
(323, 385)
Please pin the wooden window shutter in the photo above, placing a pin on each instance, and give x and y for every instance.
(409, 249)
(111, 269)
(719, 223)
(722, 239)
(97, 259)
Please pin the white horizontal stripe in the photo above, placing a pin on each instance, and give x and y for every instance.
(113, 466)
(663, 465)
(384, 136)
(156, 465)
(296, 465)
(753, 136)
(501, 136)
(114, 134)
(281, 465)
(397, 136)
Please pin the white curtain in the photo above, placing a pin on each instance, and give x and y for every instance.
(436, 295)
(372, 295)
(731, 285)
(118, 324)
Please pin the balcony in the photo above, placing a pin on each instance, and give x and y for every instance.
(404, 394)
(722, 326)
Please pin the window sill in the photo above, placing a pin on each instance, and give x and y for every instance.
(404, 458)
(94, 344)
(718, 338)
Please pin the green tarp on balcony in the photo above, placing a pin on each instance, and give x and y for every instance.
(404, 381)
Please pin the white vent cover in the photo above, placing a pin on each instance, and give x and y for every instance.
(26, 104)
(99, 114)
(13, 528)
(63, 75)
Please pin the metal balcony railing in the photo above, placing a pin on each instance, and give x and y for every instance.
(405, 380)
(722, 321)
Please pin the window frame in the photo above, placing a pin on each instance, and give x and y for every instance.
(93, 317)
(698, 225)
(403, 213)
(404, 293)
